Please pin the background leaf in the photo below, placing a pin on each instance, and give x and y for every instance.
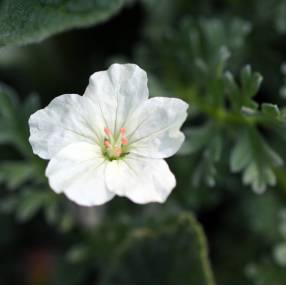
(35, 20)
(181, 254)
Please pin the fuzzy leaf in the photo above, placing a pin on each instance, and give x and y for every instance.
(14, 119)
(271, 110)
(23, 22)
(265, 272)
(14, 174)
(250, 82)
(273, 113)
(256, 159)
(197, 138)
(31, 201)
(180, 255)
(8, 101)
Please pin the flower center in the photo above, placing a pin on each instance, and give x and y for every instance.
(115, 148)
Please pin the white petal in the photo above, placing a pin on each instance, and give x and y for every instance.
(154, 129)
(139, 179)
(118, 92)
(78, 171)
(67, 119)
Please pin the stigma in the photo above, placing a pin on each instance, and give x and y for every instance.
(115, 148)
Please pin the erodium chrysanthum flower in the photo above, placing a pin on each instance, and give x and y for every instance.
(110, 141)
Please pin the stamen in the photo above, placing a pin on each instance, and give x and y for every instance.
(107, 131)
(117, 151)
(123, 131)
(107, 144)
(115, 147)
(124, 141)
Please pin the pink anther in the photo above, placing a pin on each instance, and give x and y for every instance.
(117, 151)
(107, 131)
(122, 131)
(107, 144)
(124, 141)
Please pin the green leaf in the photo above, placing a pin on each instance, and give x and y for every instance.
(250, 82)
(9, 204)
(66, 222)
(256, 159)
(197, 138)
(14, 174)
(31, 201)
(239, 157)
(271, 110)
(273, 113)
(262, 215)
(279, 254)
(14, 119)
(31, 104)
(77, 253)
(7, 132)
(231, 86)
(8, 101)
(23, 22)
(205, 172)
(215, 149)
(265, 272)
(205, 142)
(171, 252)
(241, 96)
(280, 22)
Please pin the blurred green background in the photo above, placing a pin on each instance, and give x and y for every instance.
(225, 222)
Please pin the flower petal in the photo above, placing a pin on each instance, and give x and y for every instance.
(118, 92)
(139, 179)
(67, 119)
(154, 129)
(78, 171)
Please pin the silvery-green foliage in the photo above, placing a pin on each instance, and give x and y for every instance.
(24, 176)
(35, 20)
(181, 251)
(206, 50)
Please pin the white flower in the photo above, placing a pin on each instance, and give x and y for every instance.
(110, 141)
